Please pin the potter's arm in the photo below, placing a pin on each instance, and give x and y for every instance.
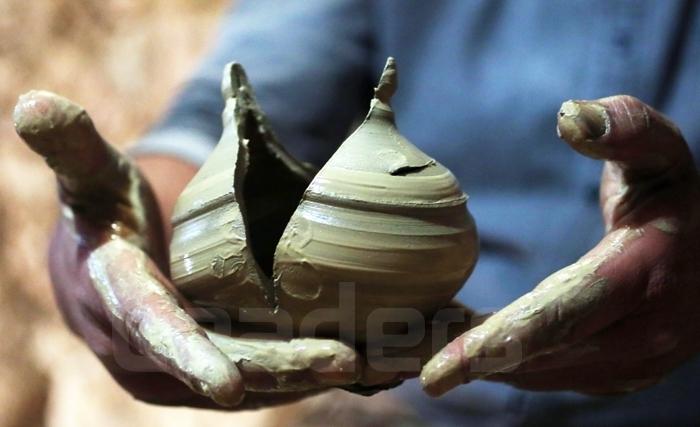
(307, 60)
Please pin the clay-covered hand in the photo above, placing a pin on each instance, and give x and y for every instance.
(109, 267)
(626, 313)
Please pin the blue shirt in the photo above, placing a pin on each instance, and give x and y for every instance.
(480, 85)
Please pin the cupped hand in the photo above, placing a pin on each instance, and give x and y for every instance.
(626, 313)
(109, 268)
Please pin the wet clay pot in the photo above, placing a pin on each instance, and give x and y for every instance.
(381, 233)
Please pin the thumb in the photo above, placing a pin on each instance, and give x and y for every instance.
(102, 189)
(65, 136)
(642, 148)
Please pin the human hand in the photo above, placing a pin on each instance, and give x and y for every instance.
(109, 267)
(626, 313)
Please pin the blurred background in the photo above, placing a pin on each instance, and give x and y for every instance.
(122, 60)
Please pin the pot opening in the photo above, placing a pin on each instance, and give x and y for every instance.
(272, 190)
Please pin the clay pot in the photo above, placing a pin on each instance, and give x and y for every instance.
(380, 233)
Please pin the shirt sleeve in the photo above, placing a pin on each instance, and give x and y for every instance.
(308, 62)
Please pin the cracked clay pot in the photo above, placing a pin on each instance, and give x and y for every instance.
(381, 232)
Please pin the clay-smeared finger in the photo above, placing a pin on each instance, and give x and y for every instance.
(63, 133)
(149, 317)
(627, 341)
(624, 130)
(644, 151)
(286, 366)
(597, 377)
(102, 190)
(569, 305)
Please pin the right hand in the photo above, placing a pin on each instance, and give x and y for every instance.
(109, 266)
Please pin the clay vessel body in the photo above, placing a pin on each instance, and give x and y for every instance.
(381, 233)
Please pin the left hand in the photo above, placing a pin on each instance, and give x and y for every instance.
(109, 268)
(626, 313)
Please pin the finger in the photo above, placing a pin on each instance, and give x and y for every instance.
(593, 378)
(145, 313)
(603, 377)
(627, 341)
(287, 366)
(644, 151)
(626, 131)
(101, 188)
(63, 133)
(633, 370)
(568, 306)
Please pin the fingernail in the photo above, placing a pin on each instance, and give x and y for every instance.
(444, 371)
(581, 121)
